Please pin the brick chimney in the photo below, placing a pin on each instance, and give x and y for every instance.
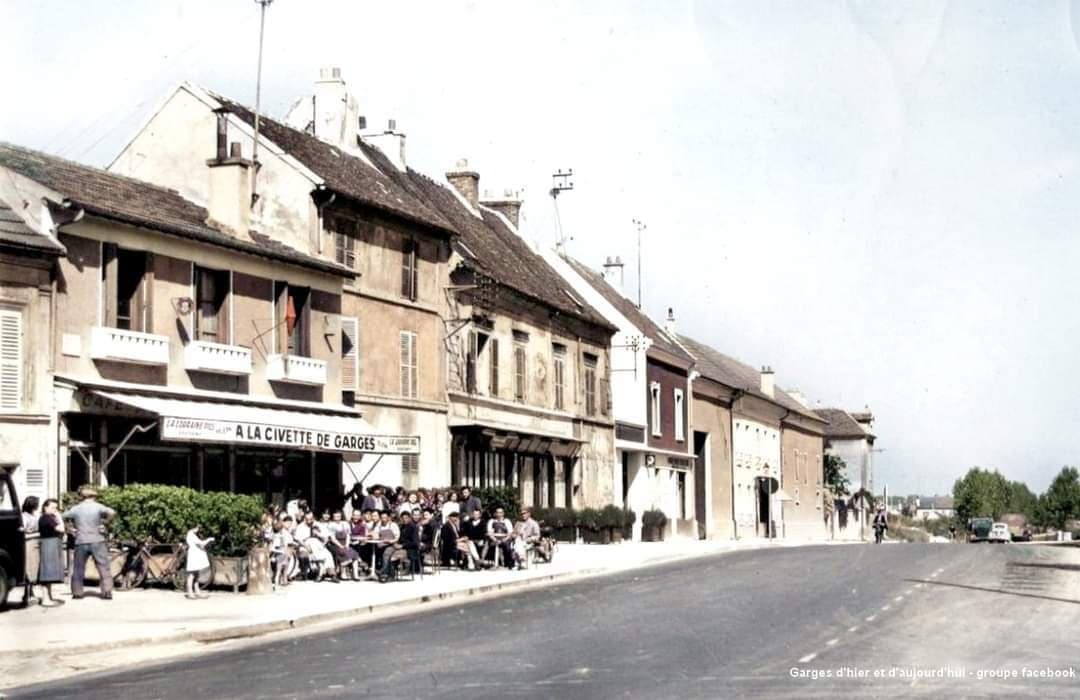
(466, 182)
(229, 203)
(768, 382)
(509, 205)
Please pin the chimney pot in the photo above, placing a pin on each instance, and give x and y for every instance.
(234, 150)
(361, 122)
(391, 125)
(768, 381)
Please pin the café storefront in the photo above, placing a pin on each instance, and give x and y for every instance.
(279, 451)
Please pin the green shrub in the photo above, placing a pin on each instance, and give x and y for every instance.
(505, 497)
(561, 517)
(653, 518)
(612, 517)
(588, 519)
(158, 513)
(629, 517)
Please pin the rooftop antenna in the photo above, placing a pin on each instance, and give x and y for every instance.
(263, 4)
(640, 226)
(560, 182)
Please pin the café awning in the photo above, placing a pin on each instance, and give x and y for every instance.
(181, 420)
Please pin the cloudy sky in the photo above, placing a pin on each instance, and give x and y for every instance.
(876, 198)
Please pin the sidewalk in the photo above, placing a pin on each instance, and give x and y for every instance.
(156, 616)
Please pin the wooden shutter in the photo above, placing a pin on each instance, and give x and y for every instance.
(409, 378)
(493, 364)
(470, 363)
(109, 268)
(146, 296)
(403, 339)
(11, 370)
(350, 353)
(408, 270)
(414, 367)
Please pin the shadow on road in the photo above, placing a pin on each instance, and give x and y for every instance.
(992, 590)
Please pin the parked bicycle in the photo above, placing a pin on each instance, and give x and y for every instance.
(154, 562)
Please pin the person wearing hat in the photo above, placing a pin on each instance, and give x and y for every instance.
(881, 524)
(89, 519)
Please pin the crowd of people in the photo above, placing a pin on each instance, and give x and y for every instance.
(390, 532)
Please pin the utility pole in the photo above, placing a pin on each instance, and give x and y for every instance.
(640, 227)
(560, 182)
(263, 4)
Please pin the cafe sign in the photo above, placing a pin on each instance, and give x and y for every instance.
(271, 435)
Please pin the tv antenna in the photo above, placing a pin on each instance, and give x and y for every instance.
(263, 4)
(560, 182)
(640, 226)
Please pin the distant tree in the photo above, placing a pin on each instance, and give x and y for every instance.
(980, 493)
(835, 476)
(1021, 500)
(1061, 501)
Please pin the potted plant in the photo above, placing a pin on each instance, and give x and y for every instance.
(611, 521)
(652, 525)
(588, 522)
(629, 517)
(563, 523)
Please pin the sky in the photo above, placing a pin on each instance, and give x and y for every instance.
(875, 198)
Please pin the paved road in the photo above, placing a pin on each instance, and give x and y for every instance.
(738, 624)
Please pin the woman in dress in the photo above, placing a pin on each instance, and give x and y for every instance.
(197, 560)
(51, 560)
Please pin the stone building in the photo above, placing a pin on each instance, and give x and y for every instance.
(322, 190)
(849, 436)
(651, 399)
(187, 347)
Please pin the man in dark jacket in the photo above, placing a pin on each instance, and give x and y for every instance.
(449, 554)
(376, 500)
(469, 502)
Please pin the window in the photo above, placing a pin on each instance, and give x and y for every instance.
(11, 359)
(410, 471)
(493, 366)
(680, 416)
(520, 372)
(470, 362)
(409, 373)
(350, 353)
(559, 365)
(345, 249)
(682, 494)
(126, 285)
(293, 313)
(211, 305)
(654, 406)
(590, 384)
(408, 270)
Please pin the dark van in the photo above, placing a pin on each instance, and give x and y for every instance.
(12, 538)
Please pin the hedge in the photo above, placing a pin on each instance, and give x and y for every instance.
(158, 513)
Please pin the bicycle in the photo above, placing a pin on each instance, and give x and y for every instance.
(154, 562)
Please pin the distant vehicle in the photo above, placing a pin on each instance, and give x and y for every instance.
(999, 532)
(1024, 536)
(12, 538)
(979, 529)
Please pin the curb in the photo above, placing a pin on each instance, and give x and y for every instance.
(264, 628)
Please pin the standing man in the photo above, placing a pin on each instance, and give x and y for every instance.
(881, 524)
(90, 519)
(376, 500)
(469, 502)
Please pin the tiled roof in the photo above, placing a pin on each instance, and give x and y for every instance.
(341, 171)
(139, 203)
(726, 370)
(841, 425)
(935, 503)
(15, 233)
(488, 246)
(661, 339)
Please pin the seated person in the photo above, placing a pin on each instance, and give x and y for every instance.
(500, 533)
(386, 535)
(322, 560)
(455, 547)
(527, 537)
(301, 534)
(345, 557)
(474, 530)
(404, 549)
(359, 535)
(427, 531)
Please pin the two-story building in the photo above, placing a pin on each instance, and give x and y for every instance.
(321, 190)
(28, 254)
(849, 436)
(528, 359)
(651, 377)
(188, 347)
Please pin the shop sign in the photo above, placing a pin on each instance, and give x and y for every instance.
(241, 432)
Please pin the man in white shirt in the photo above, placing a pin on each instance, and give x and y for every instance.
(500, 532)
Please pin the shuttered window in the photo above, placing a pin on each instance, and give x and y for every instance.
(408, 270)
(409, 373)
(410, 471)
(560, 381)
(520, 372)
(590, 385)
(470, 363)
(493, 366)
(350, 353)
(11, 358)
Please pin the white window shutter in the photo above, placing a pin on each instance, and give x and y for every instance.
(414, 383)
(11, 369)
(405, 374)
(350, 353)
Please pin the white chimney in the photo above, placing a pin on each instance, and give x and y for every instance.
(229, 203)
(799, 398)
(768, 384)
(391, 142)
(669, 323)
(613, 272)
(336, 116)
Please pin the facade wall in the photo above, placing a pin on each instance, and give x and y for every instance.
(669, 379)
(756, 455)
(28, 433)
(713, 419)
(802, 470)
(856, 456)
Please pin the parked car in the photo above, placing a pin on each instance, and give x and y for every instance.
(1024, 536)
(1000, 533)
(12, 538)
(979, 529)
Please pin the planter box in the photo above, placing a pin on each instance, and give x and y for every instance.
(230, 572)
(616, 535)
(652, 534)
(565, 534)
(596, 536)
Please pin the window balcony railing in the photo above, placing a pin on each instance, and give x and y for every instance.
(295, 370)
(118, 345)
(202, 356)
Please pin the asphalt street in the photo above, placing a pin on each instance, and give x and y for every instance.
(855, 620)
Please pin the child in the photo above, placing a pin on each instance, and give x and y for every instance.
(279, 552)
(196, 562)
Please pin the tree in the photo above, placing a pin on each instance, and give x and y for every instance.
(1061, 501)
(980, 493)
(835, 475)
(1021, 500)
